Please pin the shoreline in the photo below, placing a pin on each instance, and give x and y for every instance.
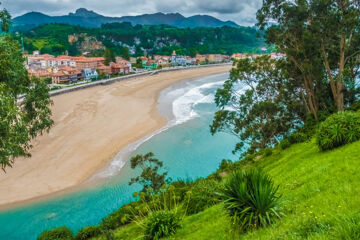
(131, 92)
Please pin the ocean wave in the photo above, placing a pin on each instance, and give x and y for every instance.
(183, 106)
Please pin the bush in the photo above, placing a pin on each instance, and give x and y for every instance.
(267, 152)
(284, 144)
(61, 233)
(297, 137)
(120, 217)
(339, 129)
(162, 224)
(202, 195)
(88, 232)
(251, 199)
(225, 165)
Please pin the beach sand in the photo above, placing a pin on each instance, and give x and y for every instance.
(91, 126)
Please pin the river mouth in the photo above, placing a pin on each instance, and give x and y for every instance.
(185, 145)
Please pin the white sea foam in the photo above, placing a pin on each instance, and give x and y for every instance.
(183, 106)
(185, 99)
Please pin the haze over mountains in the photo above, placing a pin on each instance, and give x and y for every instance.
(86, 18)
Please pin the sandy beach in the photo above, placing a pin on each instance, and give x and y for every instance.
(91, 126)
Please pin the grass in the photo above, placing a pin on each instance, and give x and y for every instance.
(320, 192)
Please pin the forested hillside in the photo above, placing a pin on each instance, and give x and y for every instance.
(139, 39)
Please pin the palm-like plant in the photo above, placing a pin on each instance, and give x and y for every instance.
(251, 199)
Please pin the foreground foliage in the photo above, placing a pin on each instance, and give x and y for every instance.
(61, 233)
(339, 129)
(251, 199)
(161, 224)
(20, 121)
(318, 198)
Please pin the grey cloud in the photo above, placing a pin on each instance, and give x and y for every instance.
(241, 11)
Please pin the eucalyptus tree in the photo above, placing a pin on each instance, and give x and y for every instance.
(24, 119)
(260, 103)
(321, 39)
(336, 26)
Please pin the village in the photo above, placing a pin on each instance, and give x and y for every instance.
(64, 70)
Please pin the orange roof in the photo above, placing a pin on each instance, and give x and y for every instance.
(46, 56)
(103, 67)
(67, 68)
(124, 62)
(114, 65)
(59, 74)
(92, 59)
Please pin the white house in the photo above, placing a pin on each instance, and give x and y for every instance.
(89, 73)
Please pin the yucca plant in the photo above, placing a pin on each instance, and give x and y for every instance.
(163, 223)
(251, 199)
(161, 215)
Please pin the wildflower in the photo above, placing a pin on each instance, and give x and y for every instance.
(339, 206)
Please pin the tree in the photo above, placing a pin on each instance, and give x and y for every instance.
(139, 63)
(321, 39)
(72, 49)
(258, 103)
(125, 53)
(24, 102)
(149, 177)
(4, 20)
(336, 25)
(109, 56)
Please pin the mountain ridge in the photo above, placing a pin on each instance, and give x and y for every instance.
(88, 18)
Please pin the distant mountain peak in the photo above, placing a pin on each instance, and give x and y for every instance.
(83, 12)
(88, 18)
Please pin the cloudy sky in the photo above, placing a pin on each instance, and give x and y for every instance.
(240, 11)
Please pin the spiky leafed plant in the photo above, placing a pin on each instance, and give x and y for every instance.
(251, 199)
(163, 223)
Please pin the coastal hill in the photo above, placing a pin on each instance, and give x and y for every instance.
(87, 18)
(318, 189)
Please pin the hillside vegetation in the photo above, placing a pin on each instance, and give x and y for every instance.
(162, 40)
(319, 192)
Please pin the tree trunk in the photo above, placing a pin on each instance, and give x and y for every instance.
(308, 83)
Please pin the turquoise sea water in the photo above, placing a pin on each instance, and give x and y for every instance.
(185, 146)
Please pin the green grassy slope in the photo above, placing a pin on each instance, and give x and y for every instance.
(321, 193)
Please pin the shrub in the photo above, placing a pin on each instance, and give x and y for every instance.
(297, 137)
(251, 199)
(162, 224)
(225, 165)
(201, 196)
(88, 232)
(339, 129)
(355, 106)
(120, 217)
(284, 144)
(61, 233)
(267, 152)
